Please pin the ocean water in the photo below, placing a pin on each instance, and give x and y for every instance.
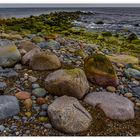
(115, 19)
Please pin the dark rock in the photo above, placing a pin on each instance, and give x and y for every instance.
(8, 73)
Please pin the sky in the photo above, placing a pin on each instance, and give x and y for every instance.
(66, 5)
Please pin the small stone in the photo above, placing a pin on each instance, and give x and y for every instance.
(18, 67)
(128, 95)
(48, 125)
(43, 113)
(137, 104)
(22, 95)
(44, 107)
(28, 114)
(28, 103)
(32, 79)
(2, 128)
(35, 86)
(3, 86)
(39, 92)
(111, 89)
(120, 65)
(41, 101)
(43, 119)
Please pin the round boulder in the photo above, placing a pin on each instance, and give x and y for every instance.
(9, 55)
(72, 82)
(44, 61)
(68, 115)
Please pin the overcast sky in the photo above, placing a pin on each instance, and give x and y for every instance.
(67, 5)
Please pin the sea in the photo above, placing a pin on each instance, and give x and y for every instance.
(114, 18)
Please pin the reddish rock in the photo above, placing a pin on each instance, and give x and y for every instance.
(41, 101)
(22, 95)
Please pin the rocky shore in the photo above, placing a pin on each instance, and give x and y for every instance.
(67, 82)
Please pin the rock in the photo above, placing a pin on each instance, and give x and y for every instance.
(136, 91)
(35, 86)
(9, 106)
(132, 36)
(48, 125)
(27, 46)
(11, 36)
(32, 79)
(132, 73)
(3, 86)
(137, 104)
(28, 114)
(44, 107)
(9, 55)
(72, 82)
(123, 59)
(2, 128)
(27, 57)
(100, 71)
(37, 39)
(68, 115)
(28, 103)
(23, 95)
(43, 119)
(5, 42)
(39, 92)
(8, 73)
(44, 61)
(111, 89)
(49, 44)
(40, 101)
(114, 106)
(18, 67)
(128, 95)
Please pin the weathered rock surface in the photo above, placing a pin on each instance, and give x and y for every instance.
(114, 106)
(132, 73)
(8, 72)
(44, 61)
(68, 115)
(100, 71)
(9, 106)
(71, 82)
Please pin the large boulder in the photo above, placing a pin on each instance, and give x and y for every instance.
(27, 57)
(114, 106)
(124, 59)
(9, 106)
(44, 61)
(100, 71)
(9, 55)
(27, 45)
(68, 115)
(72, 82)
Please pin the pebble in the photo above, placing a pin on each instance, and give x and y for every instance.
(22, 95)
(111, 89)
(18, 67)
(48, 125)
(28, 103)
(2, 128)
(35, 86)
(3, 86)
(43, 113)
(120, 65)
(44, 107)
(32, 79)
(137, 104)
(39, 92)
(128, 95)
(41, 101)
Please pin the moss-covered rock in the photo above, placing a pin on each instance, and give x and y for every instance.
(72, 82)
(100, 71)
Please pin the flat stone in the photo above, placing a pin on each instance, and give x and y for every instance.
(68, 115)
(132, 73)
(8, 73)
(114, 106)
(9, 106)
(136, 91)
(22, 95)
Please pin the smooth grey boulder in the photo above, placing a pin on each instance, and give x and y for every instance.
(9, 106)
(114, 106)
(68, 115)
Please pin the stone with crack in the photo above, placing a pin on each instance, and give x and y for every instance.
(68, 115)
